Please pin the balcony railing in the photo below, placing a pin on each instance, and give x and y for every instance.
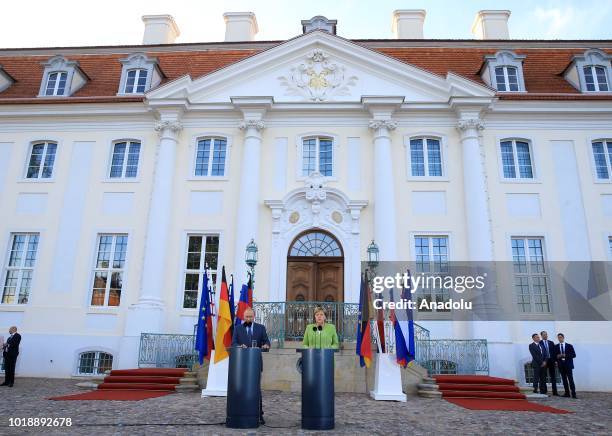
(454, 356)
(166, 351)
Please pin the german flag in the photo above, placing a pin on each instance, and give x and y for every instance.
(223, 338)
(364, 333)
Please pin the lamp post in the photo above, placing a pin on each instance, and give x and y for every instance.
(250, 259)
(373, 257)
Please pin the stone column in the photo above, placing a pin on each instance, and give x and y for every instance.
(247, 212)
(150, 304)
(384, 191)
(478, 222)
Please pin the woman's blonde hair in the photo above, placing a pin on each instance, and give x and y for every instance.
(319, 309)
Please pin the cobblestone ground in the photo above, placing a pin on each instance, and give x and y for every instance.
(189, 414)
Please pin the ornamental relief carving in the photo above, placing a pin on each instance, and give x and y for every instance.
(318, 78)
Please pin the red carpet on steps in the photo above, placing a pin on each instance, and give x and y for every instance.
(480, 392)
(113, 395)
(133, 384)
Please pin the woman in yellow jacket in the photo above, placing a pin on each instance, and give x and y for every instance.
(320, 334)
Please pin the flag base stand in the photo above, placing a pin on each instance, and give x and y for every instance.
(387, 379)
(216, 384)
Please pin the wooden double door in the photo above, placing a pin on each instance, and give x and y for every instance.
(315, 279)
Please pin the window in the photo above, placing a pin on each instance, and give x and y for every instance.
(504, 71)
(602, 155)
(20, 268)
(139, 73)
(42, 158)
(506, 78)
(110, 262)
(431, 254)
(595, 78)
(56, 83)
(316, 244)
(202, 252)
(516, 154)
(425, 157)
(317, 156)
(136, 81)
(124, 163)
(210, 157)
(530, 275)
(94, 362)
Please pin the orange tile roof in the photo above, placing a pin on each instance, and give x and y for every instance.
(542, 69)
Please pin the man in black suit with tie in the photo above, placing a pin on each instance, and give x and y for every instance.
(565, 355)
(538, 364)
(548, 351)
(250, 334)
(10, 351)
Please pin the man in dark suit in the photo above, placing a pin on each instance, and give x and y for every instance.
(548, 351)
(250, 334)
(538, 364)
(10, 351)
(565, 355)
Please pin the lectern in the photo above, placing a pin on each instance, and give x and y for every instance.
(317, 388)
(243, 391)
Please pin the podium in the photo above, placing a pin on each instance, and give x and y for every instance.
(243, 388)
(317, 388)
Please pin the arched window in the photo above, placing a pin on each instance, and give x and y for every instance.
(506, 78)
(316, 244)
(56, 83)
(124, 162)
(94, 362)
(211, 154)
(516, 159)
(425, 157)
(595, 78)
(136, 82)
(42, 158)
(602, 156)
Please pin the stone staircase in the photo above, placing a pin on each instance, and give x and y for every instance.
(429, 388)
(157, 380)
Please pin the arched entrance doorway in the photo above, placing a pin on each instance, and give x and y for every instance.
(315, 268)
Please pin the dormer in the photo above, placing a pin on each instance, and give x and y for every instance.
(61, 77)
(319, 23)
(139, 74)
(590, 72)
(503, 71)
(6, 79)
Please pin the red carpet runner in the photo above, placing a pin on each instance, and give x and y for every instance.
(480, 392)
(133, 385)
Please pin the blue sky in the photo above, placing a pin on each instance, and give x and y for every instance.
(71, 22)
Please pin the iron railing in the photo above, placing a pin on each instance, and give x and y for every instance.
(453, 356)
(167, 351)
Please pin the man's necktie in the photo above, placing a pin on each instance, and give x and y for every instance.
(250, 333)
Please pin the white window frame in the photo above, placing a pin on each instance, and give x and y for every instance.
(75, 78)
(525, 238)
(300, 154)
(123, 178)
(208, 176)
(136, 81)
(139, 61)
(19, 268)
(504, 58)
(56, 86)
(606, 155)
(97, 352)
(184, 271)
(506, 78)
(532, 154)
(592, 58)
(443, 153)
(110, 270)
(596, 83)
(39, 177)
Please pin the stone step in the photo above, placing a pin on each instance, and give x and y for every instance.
(186, 388)
(429, 380)
(429, 393)
(428, 386)
(188, 380)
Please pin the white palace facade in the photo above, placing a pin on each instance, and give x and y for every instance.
(123, 170)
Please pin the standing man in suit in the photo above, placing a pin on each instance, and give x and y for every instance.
(538, 364)
(565, 355)
(548, 351)
(10, 351)
(250, 334)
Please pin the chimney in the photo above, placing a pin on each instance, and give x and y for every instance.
(159, 29)
(240, 26)
(408, 23)
(491, 25)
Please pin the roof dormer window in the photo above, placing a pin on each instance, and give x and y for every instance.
(6, 79)
(61, 78)
(136, 81)
(139, 74)
(595, 78)
(590, 72)
(504, 71)
(56, 83)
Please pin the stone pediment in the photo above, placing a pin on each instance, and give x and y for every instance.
(319, 68)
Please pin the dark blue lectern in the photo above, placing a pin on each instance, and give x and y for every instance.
(317, 388)
(243, 388)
